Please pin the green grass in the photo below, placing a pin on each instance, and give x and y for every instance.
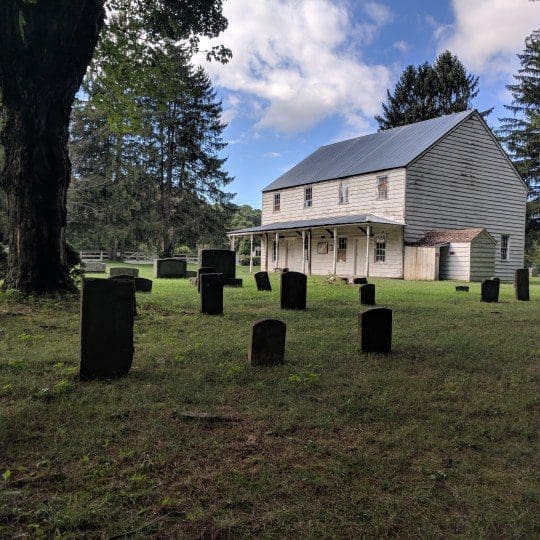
(437, 439)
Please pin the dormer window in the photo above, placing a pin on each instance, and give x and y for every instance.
(382, 187)
(308, 197)
(343, 194)
(277, 202)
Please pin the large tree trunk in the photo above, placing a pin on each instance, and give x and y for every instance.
(45, 48)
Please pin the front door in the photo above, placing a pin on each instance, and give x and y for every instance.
(293, 260)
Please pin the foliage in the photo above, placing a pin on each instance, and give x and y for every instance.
(245, 216)
(428, 91)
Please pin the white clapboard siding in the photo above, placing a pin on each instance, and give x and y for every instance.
(362, 199)
(466, 181)
(482, 258)
(454, 261)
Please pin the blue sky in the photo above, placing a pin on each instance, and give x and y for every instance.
(310, 72)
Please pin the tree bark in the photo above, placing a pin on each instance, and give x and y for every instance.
(45, 48)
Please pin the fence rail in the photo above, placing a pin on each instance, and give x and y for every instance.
(102, 255)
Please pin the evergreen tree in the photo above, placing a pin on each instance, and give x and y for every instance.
(428, 91)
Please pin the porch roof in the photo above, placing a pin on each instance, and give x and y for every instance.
(359, 219)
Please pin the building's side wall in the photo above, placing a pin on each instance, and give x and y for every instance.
(465, 181)
(482, 258)
(362, 199)
(454, 262)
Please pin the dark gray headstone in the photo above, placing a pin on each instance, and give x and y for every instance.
(212, 294)
(490, 290)
(293, 290)
(223, 260)
(263, 281)
(232, 282)
(203, 270)
(131, 279)
(521, 284)
(123, 271)
(170, 268)
(494, 278)
(462, 288)
(94, 267)
(367, 294)
(375, 328)
(106, 328)
(267, 344)
(360, 281)
(143, 284)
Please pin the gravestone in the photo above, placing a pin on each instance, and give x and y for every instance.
(143, 285)
(267, 343)
(359, 281)
(203, 270)
(521, 284)
(462, 288)
(367, 294)
(375, 328)
(123, 271)
(94, 267)
(170, 268)
(494, 278)
(490, 290)
(293, 290)
(106, 328)
(224, 261)
(263, 281)
(212, 294)
(131, 279)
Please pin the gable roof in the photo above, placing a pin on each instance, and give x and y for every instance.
(388, 149)
(437, 238)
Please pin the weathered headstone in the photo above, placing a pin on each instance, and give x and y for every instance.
(495, 278)
(123, 271)
(224, 261)
(359, 281)
(490, 290)
(462, 288)
(94, 267)
(212, 294)
(293, 290)
(367, 294)
(263, 281)
(131, 279)
(267, 343)
(106, 328)
(203, 270)
(521, 284)
(375, 328)
(143, 284)
(170, 268)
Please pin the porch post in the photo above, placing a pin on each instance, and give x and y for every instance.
(251, 253)
(368, 233)
(309, 252)
(355, 256)
(303, 252)
(334, 265)
(277, 250)
(232, 243)
(266, 252)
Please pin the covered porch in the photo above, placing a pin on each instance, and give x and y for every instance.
(349, 246)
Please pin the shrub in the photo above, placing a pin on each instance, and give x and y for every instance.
(243, 260)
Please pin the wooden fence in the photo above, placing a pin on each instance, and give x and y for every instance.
(421, 263)
(100, 255)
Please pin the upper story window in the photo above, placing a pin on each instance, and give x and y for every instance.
(343, 194)
(277, 202)
(342, 249)
(308, 197)
(382, 187)
(505, 241)
(380, 248)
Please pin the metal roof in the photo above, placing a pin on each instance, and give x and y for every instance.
(317, 222)
(386, 149)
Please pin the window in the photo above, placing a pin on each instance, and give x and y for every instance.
(306, 247)
(277, 202)
(343, 196)
(342, 249)
(382, 187)
(505, 239)
(380, 248)
(308, 197)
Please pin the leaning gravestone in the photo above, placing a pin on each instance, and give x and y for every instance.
(212, 294)
(123, 271)
(170, 268)
(143, 284)
(490, 290)
(94, 267)
(521, 284)
(375, 328)
(203, 270)
(367, 294)
(293, 290)
(263, 281)
(462, 288)
(224, 261)
(267, 344)
(106, 328)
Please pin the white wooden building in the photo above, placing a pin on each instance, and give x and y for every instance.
(437, 199)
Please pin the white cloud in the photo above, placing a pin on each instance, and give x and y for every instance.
(487, 34)
(402, 46)
(272, 154)
(297, 62)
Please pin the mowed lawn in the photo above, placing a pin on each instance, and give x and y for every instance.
(437, 439)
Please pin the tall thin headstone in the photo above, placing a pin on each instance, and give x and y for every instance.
(293, 290)
(212, 294)
(490, 290)
(267, 343)
(263, 281)
(106, 347)
(367, 294)
(375, 329)
(521, 284)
